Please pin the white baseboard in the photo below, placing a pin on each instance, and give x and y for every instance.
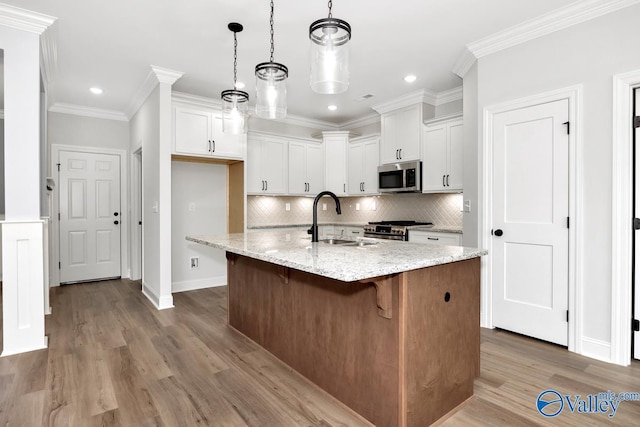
(160, 303)
(192, 285)
(596, 349)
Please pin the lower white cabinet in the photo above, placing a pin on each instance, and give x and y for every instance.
(340, 230)
(435, 237)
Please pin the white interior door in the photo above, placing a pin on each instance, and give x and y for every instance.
(89, 216)
(636, 288)
(530, 245)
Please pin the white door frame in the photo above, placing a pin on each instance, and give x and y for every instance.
(574, 95)
(621, 217)
(135, 213)
(124, 219)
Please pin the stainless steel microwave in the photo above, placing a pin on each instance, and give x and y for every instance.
(404, 177)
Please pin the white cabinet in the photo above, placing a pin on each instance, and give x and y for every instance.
(335, 154)
(363, 166)
(306, 168)
(198, 132)
(266, 164)
(435, 237)
(401, 134)
(442, 156)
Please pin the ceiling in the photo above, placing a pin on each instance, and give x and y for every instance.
(112, 44)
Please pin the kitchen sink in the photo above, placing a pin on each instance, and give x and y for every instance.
(332, 241)
(343, 242)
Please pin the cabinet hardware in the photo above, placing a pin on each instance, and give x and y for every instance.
(447, 180)
(635, 325)
(344, 188)
(266, 185)
(209, 146)
(443, 181)
(636, 223)
(400, 153)
(262, 185)
(213, 145)
(433, 238)
(636, 124)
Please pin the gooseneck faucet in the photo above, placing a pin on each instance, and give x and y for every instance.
(314, 228)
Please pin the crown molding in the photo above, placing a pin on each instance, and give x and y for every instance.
(450, 95)
(301, 121)
(49, 55)
(155, 76)
(421, 96)
(80, 110)
(340, 133)
(166, 75)
(23, 19)
(195, 100)
(559, 19)
(464, 63)
(370, 119)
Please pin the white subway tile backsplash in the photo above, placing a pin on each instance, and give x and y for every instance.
(441, 209)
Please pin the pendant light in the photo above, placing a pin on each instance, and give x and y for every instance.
(271, 85)
(329, 54)
(235, 103)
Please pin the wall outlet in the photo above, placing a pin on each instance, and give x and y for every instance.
(192, 207)
(357, 206)
(373, 205)
(467, 206)
(324, 206)
(287, 206)
(194, 261)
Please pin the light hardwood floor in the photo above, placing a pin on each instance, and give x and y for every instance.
(115, 360)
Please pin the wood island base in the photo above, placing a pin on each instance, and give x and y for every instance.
(401, 350)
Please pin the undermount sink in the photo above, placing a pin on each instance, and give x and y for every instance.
(343, 242)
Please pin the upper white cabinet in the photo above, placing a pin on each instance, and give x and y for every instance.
(401, 134)
(335, 154)
(198, 132)
(442, 156)
(267, 164)
(363, 158)
(306, 167)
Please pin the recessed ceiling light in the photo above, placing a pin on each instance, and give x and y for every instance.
(410, 78)
(96, 90)
(239, 85)
(332, 107)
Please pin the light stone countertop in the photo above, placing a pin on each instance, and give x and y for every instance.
(347, 263)
(436, 228)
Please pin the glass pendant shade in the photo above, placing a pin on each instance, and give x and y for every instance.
(235, 111)
(329, 55)
(271, 90)
(235, 103)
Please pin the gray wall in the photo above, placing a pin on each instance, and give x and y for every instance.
(70, 129)
(588, 54)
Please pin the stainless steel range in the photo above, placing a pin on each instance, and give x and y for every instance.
(392, 230)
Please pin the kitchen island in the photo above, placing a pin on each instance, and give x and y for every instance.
(391, 329)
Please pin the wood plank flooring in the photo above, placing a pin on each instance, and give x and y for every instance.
(114, 360)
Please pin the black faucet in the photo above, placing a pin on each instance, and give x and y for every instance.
(314, 228)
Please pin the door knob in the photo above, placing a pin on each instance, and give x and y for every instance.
(498, 232)
(115, 214)
(116, 222)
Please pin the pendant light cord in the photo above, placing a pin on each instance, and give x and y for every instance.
(330, 6)
(271, 24)
(235, 59)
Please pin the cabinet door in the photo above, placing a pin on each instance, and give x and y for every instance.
(314, 168)
(409, 128)
(297, 173)
(192, 131)
(371, 155)
(274, 165)
(434, 154)
(225, 145)
(455, 156)
(255, 180)
(336, 164)
(389, 143)
(356, 152)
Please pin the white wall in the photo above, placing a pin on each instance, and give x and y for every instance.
(199, 206)
(588, 54)
(71, 129)
(145, 128)
(2, 166)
